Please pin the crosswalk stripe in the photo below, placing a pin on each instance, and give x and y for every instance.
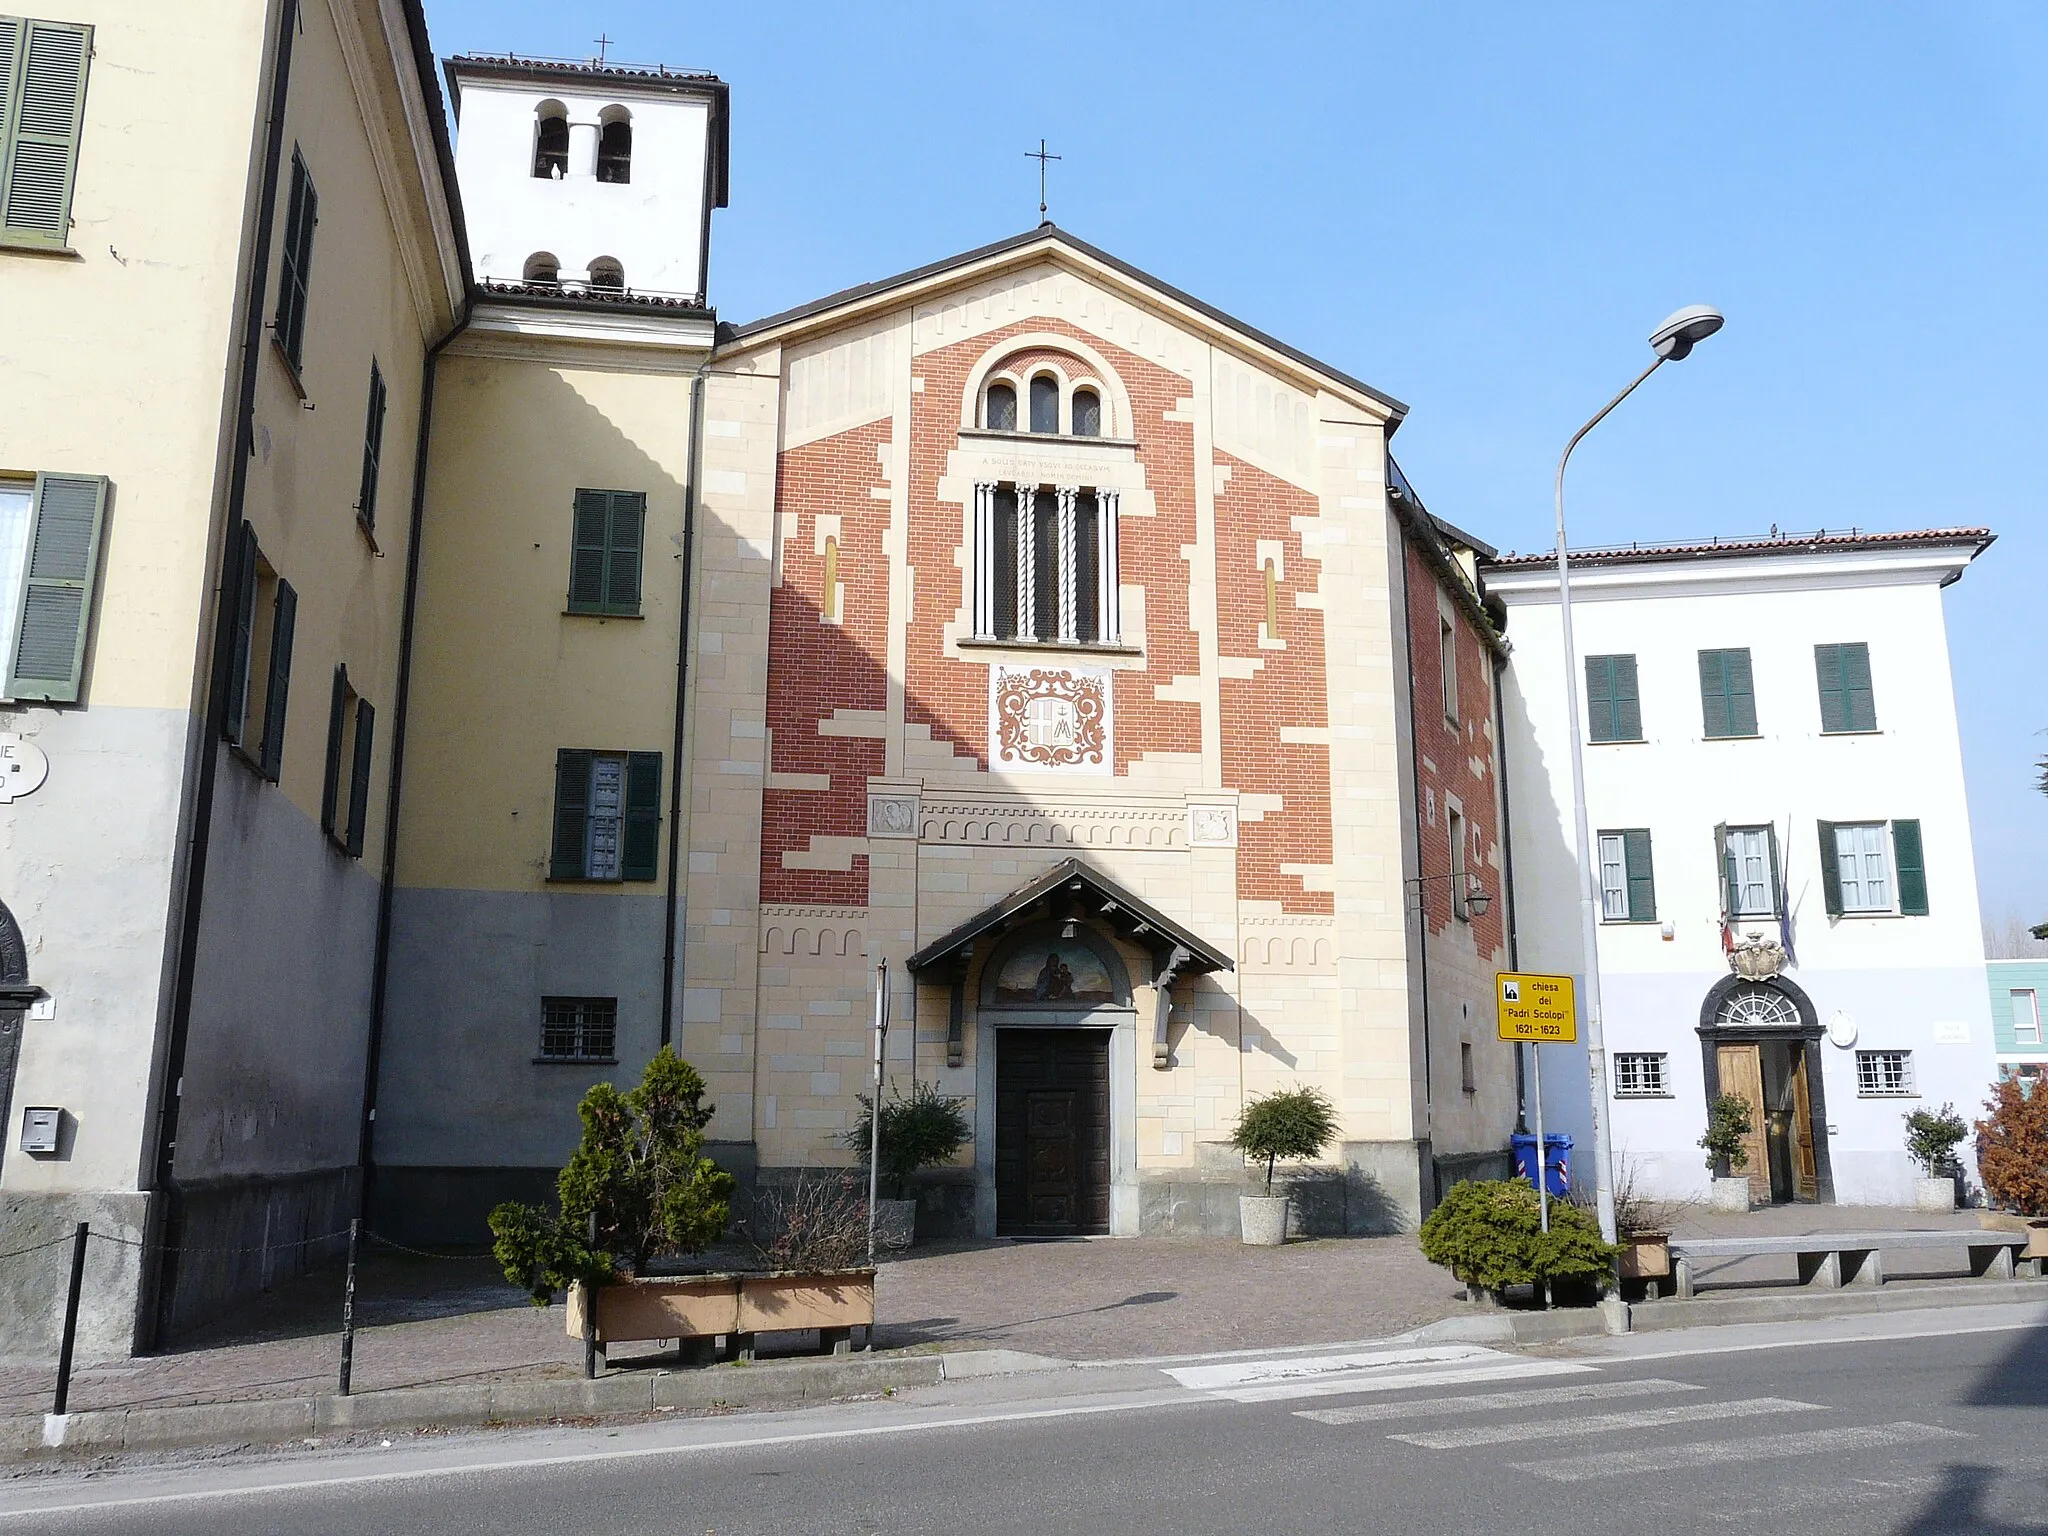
(1601, 1423)
(1489, 1402)
(1670, 1458)
(1264, 1381)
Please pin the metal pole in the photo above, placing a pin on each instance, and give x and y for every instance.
(875, 1105)
(70, 1319)
(1542, 1146)
(1589, 922)
(348, 1310)
(590, 1307)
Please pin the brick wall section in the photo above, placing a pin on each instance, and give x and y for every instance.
(951, 697)
(1446, 754)
(1288, 690)
(815, 668)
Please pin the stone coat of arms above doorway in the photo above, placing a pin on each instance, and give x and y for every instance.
(1051, 718)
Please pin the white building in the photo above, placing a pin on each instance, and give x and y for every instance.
(1771, 761)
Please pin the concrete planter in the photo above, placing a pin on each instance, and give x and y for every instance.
(895, 1224)
(1262, 1219)
(1730, 1194)
(1935, 1194)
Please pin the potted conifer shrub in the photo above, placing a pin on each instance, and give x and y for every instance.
(1931, 1140)
(1489, 1234)
(921, 1129)
(1725, 1143)
(1296, 1124)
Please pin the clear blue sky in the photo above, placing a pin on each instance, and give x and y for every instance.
(1482, 209)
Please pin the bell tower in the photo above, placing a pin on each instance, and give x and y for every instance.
(589, 176)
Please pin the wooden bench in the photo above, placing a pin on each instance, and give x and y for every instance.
(1833, 1259)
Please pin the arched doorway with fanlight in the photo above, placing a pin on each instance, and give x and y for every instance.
(1760, 1041)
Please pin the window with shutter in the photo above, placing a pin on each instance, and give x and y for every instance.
(1727, 696)
(54, 613)
(373, 448)
(284, 621)
(1613, 711)
(640, 858)
(1752, 860)
(1912, 868)
(301, 215)
(359, 777)
(1846, 700)
(42, 110)
(572, 813)
(243, 595)
(1830, 870)
(608, 533)
(339, 719)
(1642, 883)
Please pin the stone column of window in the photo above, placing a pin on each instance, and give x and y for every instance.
(1027, 562)
(984, 556)
(1110, 630)
(583, 149)
(1069, 619)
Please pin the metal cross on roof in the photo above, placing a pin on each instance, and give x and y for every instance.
(1039, 154)
(602, 44)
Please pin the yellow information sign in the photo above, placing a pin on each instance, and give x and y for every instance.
(1541, 1008)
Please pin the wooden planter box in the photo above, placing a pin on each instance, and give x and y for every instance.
(2036, 1228)
(736, 1306)
(1646, 1256)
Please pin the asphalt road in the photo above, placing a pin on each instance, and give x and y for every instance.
(1764, 1431)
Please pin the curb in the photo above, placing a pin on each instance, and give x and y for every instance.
(1849, 1301)
(272, 1421)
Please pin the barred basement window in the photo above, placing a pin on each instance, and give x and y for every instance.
(1641, 1075)
(579, 1029)
(1884, 1075)
(1045, 564)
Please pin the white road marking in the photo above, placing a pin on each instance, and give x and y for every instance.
(1670, 1458)
(1829, 1495)
(1602, 1423)
(1388, 1370)
(1489, 1402)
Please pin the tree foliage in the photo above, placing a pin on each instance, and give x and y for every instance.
(637, 1187)
(1489, 1233)
(2012, 1148)
(1931, 1137)
(1296, 1124)
(1728, 1127)
(921, 1129)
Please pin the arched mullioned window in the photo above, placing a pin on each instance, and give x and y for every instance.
(1087, 413)
(607, 274)
(551, 144)
(1002, 407)
(1045, 403)
(615, 148)
(542, 267)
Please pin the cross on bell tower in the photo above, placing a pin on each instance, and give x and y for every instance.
(1039, 154)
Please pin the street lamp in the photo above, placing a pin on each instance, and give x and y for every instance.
(1671, 341)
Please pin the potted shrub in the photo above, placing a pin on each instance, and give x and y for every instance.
(919, 1130)
(1725, 1143)
(1931, 1139)
(1489, 1234)
(1643, 1226)
(2012, 1159)
(1296, 1125)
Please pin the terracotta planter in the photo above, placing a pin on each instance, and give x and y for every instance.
(1646, 1256)
(705, 1306)
(2036, 1228)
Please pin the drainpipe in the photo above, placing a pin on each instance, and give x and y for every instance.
(1507, 880)
(675, 776)
(159, 1267)
(401, 707)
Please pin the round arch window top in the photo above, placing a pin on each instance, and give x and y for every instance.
(1757, 1005)
(1047, 969)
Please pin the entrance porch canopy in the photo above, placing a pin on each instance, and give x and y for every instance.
(1070, 889)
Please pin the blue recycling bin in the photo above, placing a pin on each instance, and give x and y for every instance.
(1557, 1165)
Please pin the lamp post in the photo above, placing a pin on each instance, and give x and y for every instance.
(1671, 341)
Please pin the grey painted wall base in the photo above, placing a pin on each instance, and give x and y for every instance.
(238, 1237)
(33, 1285)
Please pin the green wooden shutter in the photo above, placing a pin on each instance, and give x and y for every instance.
(243, 595)
(640, 844)
(373, 448)
(277, 694)
(1600, 698)
(1830, 869)
(295, 275)
(359, 778)
(572, 813)
(1729, 875)
(68, 512)
(622, 552)
(1642, 883)
(42, 70)
(1628, 708)
(337, 726)
(1741, 695)
(1714, 692)
(1859, 701)
(1834, 705)
(1912, 868)
(1776, 892)
(587, 554)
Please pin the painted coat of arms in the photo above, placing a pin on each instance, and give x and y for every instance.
(1051, 717)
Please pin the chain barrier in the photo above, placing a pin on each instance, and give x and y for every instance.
(54, 1242)
(421, 1252)
(301, 1242)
